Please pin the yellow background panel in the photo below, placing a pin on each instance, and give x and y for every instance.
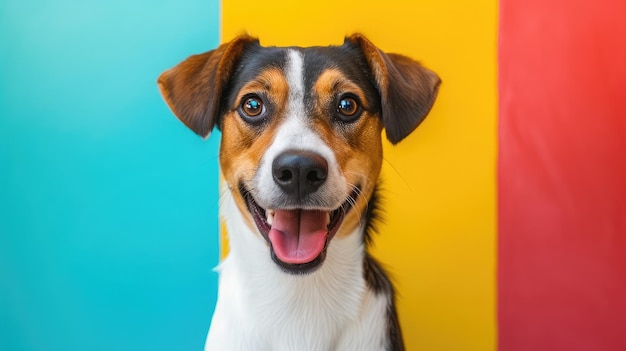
(439, 235)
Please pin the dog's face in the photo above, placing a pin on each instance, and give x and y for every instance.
(301, 149)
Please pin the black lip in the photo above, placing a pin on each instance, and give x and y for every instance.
(302, 268)
(336, 218)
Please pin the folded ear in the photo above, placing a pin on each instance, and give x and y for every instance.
(193, 88)
(407, 89)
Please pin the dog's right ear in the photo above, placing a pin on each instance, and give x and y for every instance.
(193, 88)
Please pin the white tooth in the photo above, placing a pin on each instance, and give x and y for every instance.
(327, 218)
(270, 216)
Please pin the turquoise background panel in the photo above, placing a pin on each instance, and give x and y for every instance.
(108, 204)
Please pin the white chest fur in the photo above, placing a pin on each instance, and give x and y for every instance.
(262, 308)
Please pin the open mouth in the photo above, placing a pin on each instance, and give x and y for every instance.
(298, 238)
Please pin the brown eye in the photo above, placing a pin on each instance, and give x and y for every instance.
(347, 106)
(348, 109)
(252, 107)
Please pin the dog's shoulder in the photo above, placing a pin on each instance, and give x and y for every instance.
(379, 283)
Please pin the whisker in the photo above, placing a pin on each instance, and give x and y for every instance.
(398, 173)
(352, 200)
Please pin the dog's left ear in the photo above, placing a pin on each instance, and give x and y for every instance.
(407, 89)
(193, 88)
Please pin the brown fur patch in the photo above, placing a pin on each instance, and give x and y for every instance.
(243, 146)
(360, 164)
(333, 81)
(357, 145)
(270, 82)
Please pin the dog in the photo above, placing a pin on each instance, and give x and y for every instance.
(300, 158)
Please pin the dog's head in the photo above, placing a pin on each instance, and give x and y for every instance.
(301, 148)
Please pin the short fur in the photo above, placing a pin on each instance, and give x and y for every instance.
(301, 148)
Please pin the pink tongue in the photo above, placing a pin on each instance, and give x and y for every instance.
(298, 236)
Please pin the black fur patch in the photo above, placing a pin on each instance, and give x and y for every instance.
(373, 216)
(376, 278)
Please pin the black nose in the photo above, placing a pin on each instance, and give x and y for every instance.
(299, 173)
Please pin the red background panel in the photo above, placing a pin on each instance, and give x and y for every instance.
(562, 175)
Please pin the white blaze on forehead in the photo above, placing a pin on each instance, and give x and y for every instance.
(295, 77)
(295, 133)
(294, 126)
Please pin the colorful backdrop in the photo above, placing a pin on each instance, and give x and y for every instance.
(505, 211)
